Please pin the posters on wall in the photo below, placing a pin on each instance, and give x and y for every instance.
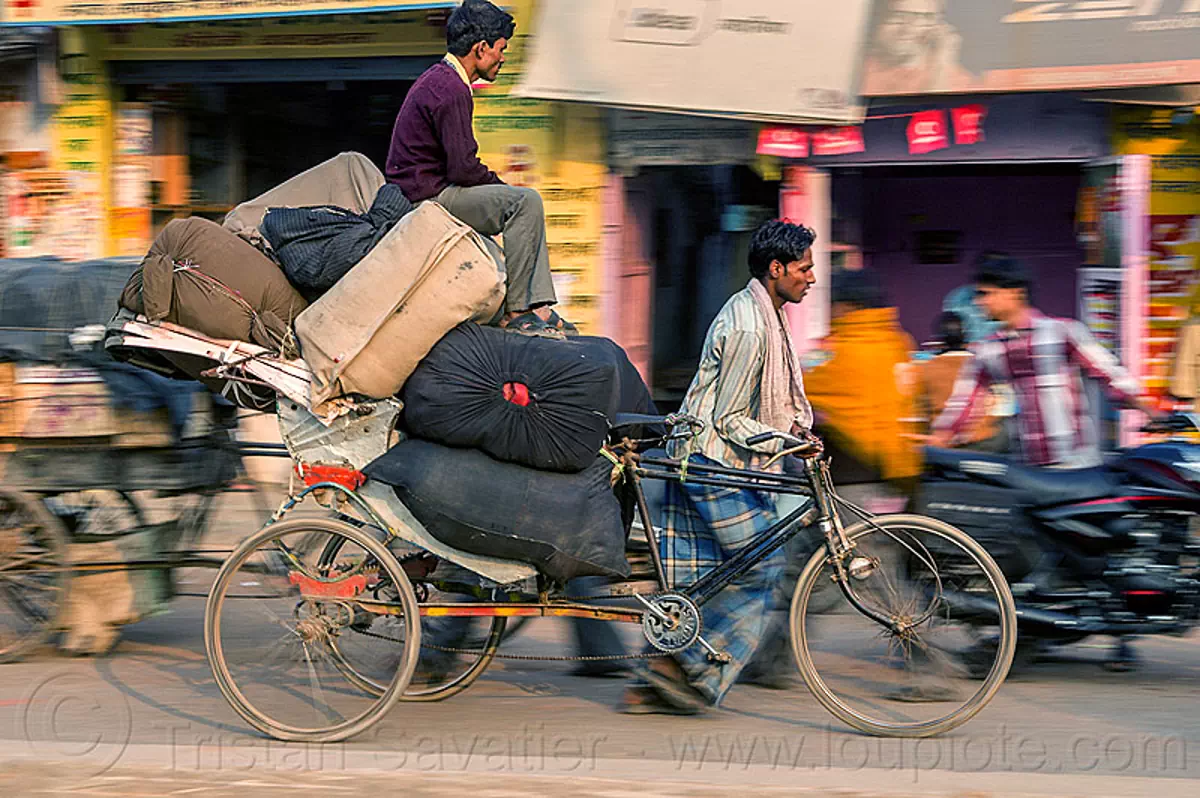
(936, 46)
(1100, 305)
(61, 210)
(559, 151)
(1174, 222)
(54, 212)
(133, 143)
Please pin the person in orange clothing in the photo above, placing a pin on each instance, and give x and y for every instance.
(859, 392)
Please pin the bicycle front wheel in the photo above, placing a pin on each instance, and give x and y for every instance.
(278, 622)
(948, 643)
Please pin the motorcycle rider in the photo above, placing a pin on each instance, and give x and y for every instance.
(1043, 359)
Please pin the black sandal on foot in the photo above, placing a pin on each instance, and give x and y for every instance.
(531, 324)
(557, 322)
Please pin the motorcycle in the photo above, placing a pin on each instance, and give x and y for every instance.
(1112, 550)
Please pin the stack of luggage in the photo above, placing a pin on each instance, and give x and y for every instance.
(501, 454)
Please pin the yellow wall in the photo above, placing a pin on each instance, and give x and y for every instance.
(559, 149)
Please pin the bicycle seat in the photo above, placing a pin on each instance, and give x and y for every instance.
(1044, 487)
(624, 421)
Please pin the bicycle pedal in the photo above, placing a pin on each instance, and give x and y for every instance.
(719, 657)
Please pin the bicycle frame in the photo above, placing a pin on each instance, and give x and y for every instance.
(817, 484)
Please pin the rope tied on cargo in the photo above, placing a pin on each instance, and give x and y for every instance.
(618, 465)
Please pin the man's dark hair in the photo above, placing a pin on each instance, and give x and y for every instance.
(778, 240)
(951, 332)
(477, 21)
(858, 288)
(1003, 271)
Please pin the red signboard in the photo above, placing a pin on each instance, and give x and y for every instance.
(927, 132)
(838, 141)
(968, 123)
(783, 142)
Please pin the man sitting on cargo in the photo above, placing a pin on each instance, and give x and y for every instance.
(749, 383)
(434, 155)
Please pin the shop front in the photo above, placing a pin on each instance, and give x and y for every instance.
(189, 108)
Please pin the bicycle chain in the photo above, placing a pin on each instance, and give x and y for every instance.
(521, 657)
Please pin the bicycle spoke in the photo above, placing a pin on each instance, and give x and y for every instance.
(278, 661)
(911, 675)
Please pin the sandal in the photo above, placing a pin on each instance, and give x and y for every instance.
(557, 322)
(678, 694)
(529, 323)
(646, 701)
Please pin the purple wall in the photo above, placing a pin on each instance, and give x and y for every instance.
(1027, 211)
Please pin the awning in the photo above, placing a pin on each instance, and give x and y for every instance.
(124, 12)
(778, 60)
(275, 70)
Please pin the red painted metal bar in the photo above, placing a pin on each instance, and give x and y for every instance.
(509, 610)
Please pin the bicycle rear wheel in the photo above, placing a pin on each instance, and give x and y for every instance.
(957, 622)
(275, 620)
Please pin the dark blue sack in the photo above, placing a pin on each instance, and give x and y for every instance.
(567, 525)
(316, 246)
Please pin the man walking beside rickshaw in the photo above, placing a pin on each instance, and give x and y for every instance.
(749, 383)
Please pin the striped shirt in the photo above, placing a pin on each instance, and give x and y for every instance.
(725, 392)
(1044, 363)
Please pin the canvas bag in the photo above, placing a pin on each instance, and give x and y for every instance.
(203, 277)
(350, 180)
(429, 274)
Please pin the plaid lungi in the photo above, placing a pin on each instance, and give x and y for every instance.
(703, 527)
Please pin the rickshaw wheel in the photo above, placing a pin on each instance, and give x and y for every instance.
(276, 614)
(427, 684)
(96, 513)
(34, 575)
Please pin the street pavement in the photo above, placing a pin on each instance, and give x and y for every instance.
(148, 720)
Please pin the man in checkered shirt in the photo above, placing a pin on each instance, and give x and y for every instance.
(1044, 360)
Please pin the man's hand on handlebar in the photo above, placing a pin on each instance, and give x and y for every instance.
(809, 444)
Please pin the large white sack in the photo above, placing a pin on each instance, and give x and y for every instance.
(429, 274)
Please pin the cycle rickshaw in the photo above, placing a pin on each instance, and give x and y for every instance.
(313, 624)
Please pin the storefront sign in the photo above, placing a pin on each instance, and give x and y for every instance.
(783, 142)
(110, 12)
(968, 123)
(838, 141)
(767, 60)
(934, 46)
(350, 36)
(644, 139)
(1021, 127)
(927, 132)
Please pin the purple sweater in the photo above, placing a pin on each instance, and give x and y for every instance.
(433, 143)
